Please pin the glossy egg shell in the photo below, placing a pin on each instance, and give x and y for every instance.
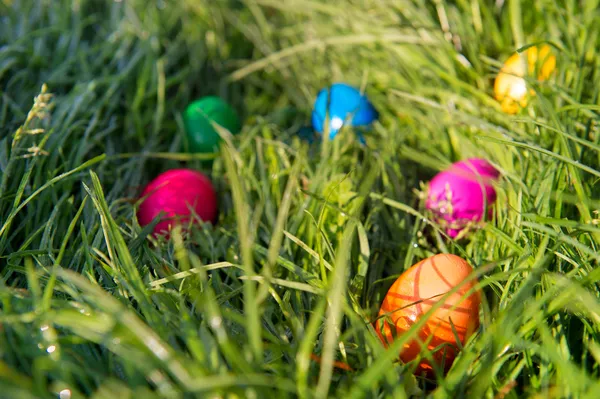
(342, 103)
(510, 89)
(174, 193)
(414, 293)
(202, 137)
(462, 194)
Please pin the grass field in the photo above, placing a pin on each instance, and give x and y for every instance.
(310, 236)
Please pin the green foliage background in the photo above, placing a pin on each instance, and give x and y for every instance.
(309, 236)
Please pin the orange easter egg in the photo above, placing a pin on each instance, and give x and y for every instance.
(414, 293)
(510, 88)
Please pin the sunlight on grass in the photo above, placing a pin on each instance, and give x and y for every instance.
(309, 236)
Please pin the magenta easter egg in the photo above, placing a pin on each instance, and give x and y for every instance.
(176, 195)
(462, 195)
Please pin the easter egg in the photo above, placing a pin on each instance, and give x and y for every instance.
(342, 104)
(414, 293)
(198, 117)
(176, 195)
(461, 196)
(510, 88)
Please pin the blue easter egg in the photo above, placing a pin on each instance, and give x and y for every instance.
(344, 104)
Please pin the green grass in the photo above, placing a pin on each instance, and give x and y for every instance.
(309, 236)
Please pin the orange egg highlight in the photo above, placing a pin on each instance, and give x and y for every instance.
(510, 88)
(414, 293)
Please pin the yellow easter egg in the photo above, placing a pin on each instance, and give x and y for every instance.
(510, 88)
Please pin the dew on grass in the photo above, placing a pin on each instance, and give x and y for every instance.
(216, 322)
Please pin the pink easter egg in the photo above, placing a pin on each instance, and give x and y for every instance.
(176, 195)
(462, 195)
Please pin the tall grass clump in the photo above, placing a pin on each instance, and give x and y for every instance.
(278, 297)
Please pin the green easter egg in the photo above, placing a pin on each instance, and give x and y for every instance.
(201, 135)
